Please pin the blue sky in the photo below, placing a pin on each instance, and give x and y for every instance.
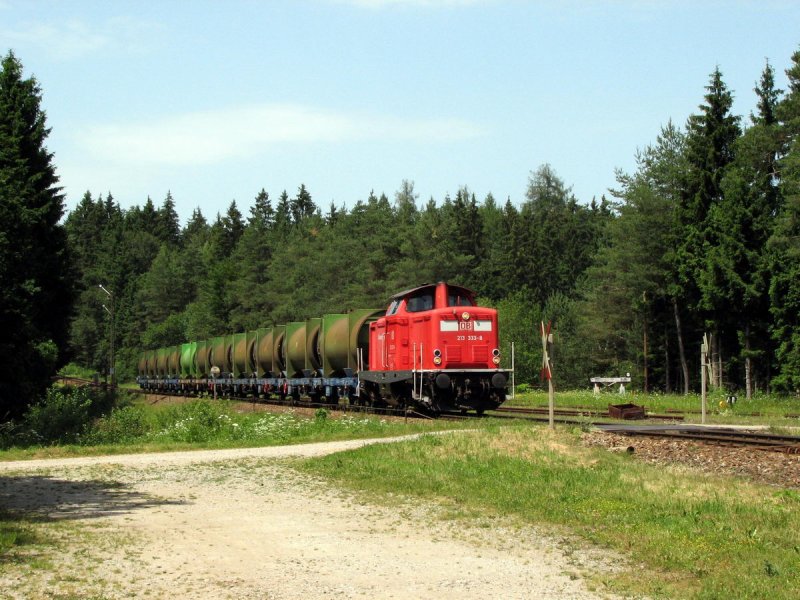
(215, 100)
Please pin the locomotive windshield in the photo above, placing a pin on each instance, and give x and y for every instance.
(459, 297)
(421, 301)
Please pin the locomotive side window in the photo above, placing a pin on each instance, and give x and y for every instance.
(457, 297)
(393, 308)
(420, 301)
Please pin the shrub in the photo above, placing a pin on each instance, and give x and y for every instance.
(60, 417)
(122, 425)
(523, 388)
(198, 421)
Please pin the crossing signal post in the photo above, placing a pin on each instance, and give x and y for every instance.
(547, 369)
(705, 373)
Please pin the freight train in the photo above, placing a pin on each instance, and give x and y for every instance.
(433, 349)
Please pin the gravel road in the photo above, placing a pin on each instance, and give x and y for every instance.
(244, 524)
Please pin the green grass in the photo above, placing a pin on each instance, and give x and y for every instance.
(772, 408)
(698, 536)
(207, 424)
(73, 370)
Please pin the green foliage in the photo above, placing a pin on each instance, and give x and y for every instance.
(192, 422)
(74, 370)
(87, 421)
(784, 244)
(60, 417)
(123, 425)
(36, 292)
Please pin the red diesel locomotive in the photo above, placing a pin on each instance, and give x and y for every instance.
(435, 348)
(432, 350)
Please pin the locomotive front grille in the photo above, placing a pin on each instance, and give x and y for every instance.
(480, 353)
(453, 354)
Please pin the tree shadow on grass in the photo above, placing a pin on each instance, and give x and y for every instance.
(37, 498)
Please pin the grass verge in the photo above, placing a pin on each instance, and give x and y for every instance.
(205, 424)
(770, 409)
(697, 536)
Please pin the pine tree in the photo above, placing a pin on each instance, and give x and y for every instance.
(784, 244)
(262, 215)
(628, 307)
(710, 149)
(232, 229)
(283, 213)
(302, 206)
(168, 227)
(197, 226)
(86, 230)
(36, 292)
(736, 274)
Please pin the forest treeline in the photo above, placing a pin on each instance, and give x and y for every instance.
(703, 237)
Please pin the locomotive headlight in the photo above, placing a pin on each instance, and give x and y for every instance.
(496, 352)
(437, 357)
(465, 316)
(496, 360)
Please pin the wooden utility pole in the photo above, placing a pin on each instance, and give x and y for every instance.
(644, 342)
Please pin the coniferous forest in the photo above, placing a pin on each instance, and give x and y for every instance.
(703, 237)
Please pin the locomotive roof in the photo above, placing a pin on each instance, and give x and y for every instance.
(405, 293)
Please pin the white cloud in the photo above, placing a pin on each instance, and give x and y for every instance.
(212, 136)
(75, 38)
(379, 4)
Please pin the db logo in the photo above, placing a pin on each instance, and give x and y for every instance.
(465, 325)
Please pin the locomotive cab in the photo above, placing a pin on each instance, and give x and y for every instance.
(436, 347)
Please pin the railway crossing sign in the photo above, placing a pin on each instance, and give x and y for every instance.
(547, 345)
(547, 369)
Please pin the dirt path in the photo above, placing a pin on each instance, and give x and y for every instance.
(244, 524)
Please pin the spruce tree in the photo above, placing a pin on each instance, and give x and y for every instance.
(36, 292)
(711, 135)
(168, 227)
(302, 206)
(736, 274)
(784, 244)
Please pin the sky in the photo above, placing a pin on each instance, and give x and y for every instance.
(213, 101)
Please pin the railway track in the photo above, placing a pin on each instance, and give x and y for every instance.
(788, 444)
(577, 412)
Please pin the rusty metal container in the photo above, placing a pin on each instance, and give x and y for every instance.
(626, 411)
